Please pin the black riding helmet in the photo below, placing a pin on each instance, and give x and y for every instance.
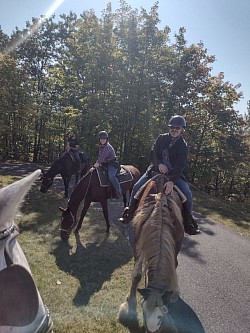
(177, 121)
(103, 135)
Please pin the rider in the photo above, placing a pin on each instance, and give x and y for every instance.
(73, 147)
(107, 156)
(169, 156)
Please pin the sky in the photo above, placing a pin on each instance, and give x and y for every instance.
(222, 25)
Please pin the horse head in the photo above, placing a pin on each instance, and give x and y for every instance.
(47, 182)
(155, 307)
(68, 223)
(21, 306)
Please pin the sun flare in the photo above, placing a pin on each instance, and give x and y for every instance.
(55, 5)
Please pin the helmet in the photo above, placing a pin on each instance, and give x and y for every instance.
(103, 135)
(177, 121)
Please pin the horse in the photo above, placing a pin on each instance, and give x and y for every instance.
(21, 307)
(90, 190)
(65, 166)
(158, 232)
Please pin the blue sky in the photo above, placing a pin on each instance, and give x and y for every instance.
(222, 25)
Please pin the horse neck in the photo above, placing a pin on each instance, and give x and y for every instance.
(79, 193)
(54, 169)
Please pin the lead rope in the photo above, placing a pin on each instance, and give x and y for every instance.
(91, 172)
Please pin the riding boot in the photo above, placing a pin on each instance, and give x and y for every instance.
(190, 224)
(128, 212)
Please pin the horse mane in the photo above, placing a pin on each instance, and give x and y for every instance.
(154, 227)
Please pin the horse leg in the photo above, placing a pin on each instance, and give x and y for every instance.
(77, 178)
(86, 205)
(127, 315)
(104, 205)
(66, 181)
(124, 198)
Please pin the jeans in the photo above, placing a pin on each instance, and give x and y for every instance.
(77, 159)
(144, 178)
(184, 187)
(112, 171)
(180, 182)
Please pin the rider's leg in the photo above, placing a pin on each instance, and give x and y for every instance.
(78, 161)
(112, 171)
(129, 211)
(188, 206)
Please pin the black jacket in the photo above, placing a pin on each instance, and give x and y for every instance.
(177, 156)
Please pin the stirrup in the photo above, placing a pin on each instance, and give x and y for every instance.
(192, 230)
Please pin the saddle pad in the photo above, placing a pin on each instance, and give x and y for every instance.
(123, 176)
(139, 193)
(18, 297)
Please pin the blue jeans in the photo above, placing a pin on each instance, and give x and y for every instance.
(77, 159)
(144, 178)
(112, 171)
(181, 183)
(184, 187)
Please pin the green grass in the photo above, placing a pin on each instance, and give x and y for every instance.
(235, 215)
(84, 285)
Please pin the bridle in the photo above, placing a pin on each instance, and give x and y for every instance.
(73, 226)
(49, 181)
(7, 232)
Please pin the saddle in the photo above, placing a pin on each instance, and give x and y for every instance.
(123, 175)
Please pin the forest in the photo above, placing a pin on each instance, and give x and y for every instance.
(123, 74)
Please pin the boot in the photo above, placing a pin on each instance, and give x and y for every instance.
(128, 212)
(190, 224)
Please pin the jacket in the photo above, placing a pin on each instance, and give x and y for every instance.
(177, 156)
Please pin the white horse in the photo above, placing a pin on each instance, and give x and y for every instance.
(21, 307)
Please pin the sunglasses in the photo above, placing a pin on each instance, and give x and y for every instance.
(175, 127)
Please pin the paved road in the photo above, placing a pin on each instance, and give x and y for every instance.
(214, 276)
(214, 270)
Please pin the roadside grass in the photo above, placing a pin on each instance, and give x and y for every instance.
(84, 285)
(235, 215)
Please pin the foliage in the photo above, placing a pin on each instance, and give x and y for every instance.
(121, 73)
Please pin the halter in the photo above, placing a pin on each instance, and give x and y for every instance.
(5, 233)
(73, 226)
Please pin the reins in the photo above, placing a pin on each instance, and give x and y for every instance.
(5, 233)
(73, 227)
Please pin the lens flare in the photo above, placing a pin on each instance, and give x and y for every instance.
(56, 4)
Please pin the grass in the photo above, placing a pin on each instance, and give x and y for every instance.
(84, 285)
(235, 215)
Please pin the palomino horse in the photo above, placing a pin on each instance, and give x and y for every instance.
(90, 190)
(65, 167)
(157, 236)
(21, 307)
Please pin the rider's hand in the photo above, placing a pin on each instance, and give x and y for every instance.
(96, 165)
(163, 168)
(169, 187)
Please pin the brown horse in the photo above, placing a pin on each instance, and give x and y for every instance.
(65, 166)
(90, 190)
(157, 236)
(21, 307)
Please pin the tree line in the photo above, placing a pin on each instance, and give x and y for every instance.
(123, 74)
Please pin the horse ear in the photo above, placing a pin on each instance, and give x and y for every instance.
(62, 209)
(11, 197)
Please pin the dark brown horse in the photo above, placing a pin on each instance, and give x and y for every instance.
(157, 232)
(65, 166)
(90, 190)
